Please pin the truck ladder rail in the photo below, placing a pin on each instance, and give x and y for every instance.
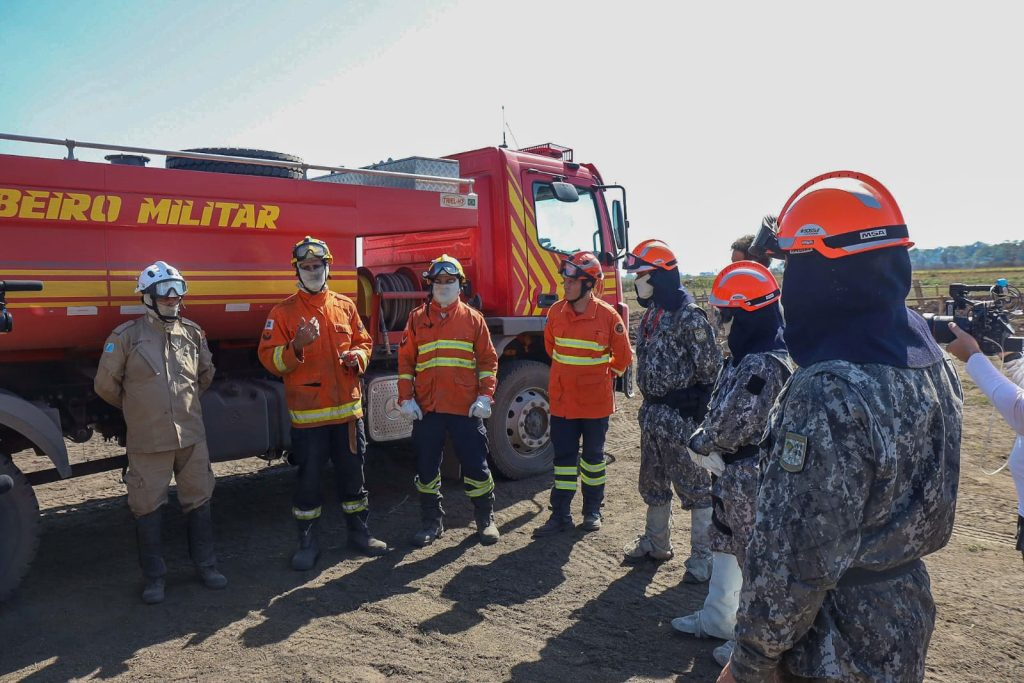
(304, 167)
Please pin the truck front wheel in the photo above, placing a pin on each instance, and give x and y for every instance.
(19, 527)
(519, 429)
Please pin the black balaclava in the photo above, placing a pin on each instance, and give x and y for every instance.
(669, 292)
(854, 309)
(756, 331)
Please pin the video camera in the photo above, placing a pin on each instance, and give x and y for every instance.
(6, 320)
(987, 321)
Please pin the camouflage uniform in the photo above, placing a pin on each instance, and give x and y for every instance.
(860, 484)
(743, 396)
(675, 350)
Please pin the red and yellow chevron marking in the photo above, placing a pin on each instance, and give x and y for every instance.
(90, 287)
(541, 265)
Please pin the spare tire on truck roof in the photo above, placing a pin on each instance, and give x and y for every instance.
(185, 164)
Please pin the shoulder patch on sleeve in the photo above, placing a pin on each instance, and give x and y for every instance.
(794, 452)
(269, 325)
(619, 328)
(109, 348)
(755, 385)
(700, 335)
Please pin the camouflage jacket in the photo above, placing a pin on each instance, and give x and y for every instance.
(675, 350)
(862, 475)
(742, 398)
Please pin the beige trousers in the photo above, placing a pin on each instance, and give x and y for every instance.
(149, 476)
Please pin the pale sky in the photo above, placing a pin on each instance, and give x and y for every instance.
(710, 115)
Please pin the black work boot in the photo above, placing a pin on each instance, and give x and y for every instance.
(151, 556)
(309, 550)
(483, 512)
(200, 547)
(432, 516)
(359, 537)
(592, 517)
(560, 519)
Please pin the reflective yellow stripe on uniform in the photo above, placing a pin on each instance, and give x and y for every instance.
(351, 507)
(475, 488)
(432, 488)
(305, 417)
(565, 477)
(305, 514)
(279, 359)
(596, 472)
(445, 344)
(579, 360)
(446, 362)
(486, 373)
(570, 343)
(408, 377)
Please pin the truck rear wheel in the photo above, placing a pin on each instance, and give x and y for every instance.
(19, 528)
(519, 429)
(237, 168)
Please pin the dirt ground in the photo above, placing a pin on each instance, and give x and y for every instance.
(559, 609)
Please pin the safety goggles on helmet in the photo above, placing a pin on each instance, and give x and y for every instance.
(166, 288)
(443, 268)
(310, 250)
(766, 242)
(633, 262)
(571, 270)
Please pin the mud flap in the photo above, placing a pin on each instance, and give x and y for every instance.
(34, 424)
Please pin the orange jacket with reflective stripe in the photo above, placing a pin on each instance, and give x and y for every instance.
(588, 350)
(318, 388)
(446, 359)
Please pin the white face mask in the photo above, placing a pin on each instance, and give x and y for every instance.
(313, 280)
(445, 295)
(644, 288)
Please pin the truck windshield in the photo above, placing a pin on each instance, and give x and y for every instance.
(566, 227)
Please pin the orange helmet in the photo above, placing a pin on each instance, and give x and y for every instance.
(648, 255)
(582, 264)
(744, 284)
(839, 214)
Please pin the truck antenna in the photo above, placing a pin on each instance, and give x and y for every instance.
(504, 144)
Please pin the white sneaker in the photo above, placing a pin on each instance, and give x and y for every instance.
(723, 653)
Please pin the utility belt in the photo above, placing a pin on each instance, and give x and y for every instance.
(689, 402)
(858, 576)
(748, 451)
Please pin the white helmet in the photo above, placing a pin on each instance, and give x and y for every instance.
(164, 279)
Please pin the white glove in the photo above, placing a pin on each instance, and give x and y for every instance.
(712, 463)
(411, 410)
(481, 407)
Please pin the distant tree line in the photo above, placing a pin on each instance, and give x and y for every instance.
(977, 255)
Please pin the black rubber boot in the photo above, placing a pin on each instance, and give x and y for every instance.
(309, 549)
(560, 519)
(591, 514)
(359, 537)
(483, 512)
(201, 547)
(432, 516)
(151, 556)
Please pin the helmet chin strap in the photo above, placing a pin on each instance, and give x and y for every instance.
(586, 287)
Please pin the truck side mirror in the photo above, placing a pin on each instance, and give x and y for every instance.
(618, 225)
(606, 258)
(565, 192)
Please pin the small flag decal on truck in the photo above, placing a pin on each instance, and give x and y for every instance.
(458, 201)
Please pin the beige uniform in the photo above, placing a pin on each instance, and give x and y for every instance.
(155, 372)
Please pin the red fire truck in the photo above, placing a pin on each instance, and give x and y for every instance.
(227, 218)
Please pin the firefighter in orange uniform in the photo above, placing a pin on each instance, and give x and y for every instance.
(315, 340)
(447, 375)
(589, 347)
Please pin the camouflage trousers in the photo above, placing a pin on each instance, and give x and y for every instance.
(664, 461)
(734, 498)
